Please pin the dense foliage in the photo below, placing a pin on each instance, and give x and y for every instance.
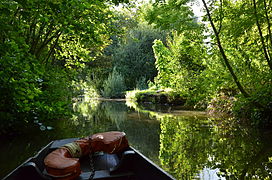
(180, 65)
(135, 58)
(130, 51)
(42, 43)
(232, 57)
(243, 35)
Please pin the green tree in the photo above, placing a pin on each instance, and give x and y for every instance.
(134, 57)
(181, 61)
(99, 69)
(42, 42)
(239, 47)
(239, 35)
(172, 15)
(222, 51)
(114, 86)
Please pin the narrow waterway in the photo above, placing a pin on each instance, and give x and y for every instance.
(186, 144)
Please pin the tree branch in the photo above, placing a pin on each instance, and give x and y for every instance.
(221, 17)
(237, 82)
(261, 35)
(52, 47)
(37, 39)
(268, 25)
(46, 41)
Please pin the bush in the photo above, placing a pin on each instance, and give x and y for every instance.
(114, 86)
(252, 111)
(221, 105)
(141, 83)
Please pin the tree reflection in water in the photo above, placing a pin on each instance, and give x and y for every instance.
(191, 148)
(186, 144)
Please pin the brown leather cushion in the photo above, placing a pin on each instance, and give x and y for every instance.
(109, 142)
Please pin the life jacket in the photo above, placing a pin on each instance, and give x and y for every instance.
(63, 163)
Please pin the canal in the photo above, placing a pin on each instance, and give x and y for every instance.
(187, 144)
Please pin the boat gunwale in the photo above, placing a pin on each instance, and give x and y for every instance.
(48, 148)
(29, 160)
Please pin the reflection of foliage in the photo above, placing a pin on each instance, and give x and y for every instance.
(184, 146)
(86, 109)
(116, 112)
(240, 153)
(151, 113)
(190, 145)
(87, 119)
(98, 116)
(143, 133)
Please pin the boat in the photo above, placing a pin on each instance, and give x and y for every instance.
(127, 164)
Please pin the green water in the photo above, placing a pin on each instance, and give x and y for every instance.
(189, 145)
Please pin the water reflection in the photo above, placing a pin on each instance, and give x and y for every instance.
(116, 112)
(191, 149)
(186, 144)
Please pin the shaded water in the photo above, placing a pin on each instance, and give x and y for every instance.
(186, 144)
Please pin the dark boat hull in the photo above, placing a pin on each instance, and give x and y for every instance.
(129, 164)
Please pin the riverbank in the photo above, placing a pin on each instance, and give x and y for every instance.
(224, 104)
(162, 100)
(163, 96)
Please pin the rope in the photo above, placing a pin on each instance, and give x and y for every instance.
(74, 149)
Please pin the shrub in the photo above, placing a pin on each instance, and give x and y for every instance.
(114, 86)
(221, 105)
(141, 83)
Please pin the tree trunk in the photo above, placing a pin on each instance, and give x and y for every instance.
(261, 35)
(52, 48)
(237, 82)
(268, 28)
